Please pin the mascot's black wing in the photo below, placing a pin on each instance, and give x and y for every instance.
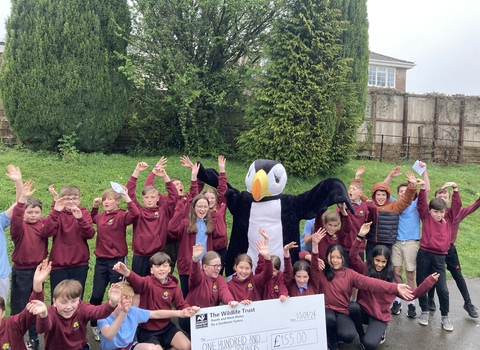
(317, 200)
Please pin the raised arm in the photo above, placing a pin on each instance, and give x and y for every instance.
(395, 172)
(14, 174)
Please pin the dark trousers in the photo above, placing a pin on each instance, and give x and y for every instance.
(22, 286)
(102, 276)
(369, 247)
(223, 258)
(141, 265)
(339, 327)
(428, 263)
(184, 285)
(453, 265)
(376, 328)
(78, 273)
(171, 248)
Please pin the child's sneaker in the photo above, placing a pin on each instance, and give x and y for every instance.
(446, 324)
(95, 333)
(471, 309)
(32, 344)
(423, 319)
(384, 335)
(431, 304)
(396, 307)
(412, 313)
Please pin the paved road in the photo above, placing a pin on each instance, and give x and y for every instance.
(405, 333)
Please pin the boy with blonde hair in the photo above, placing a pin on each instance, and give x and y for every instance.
(111, 244)
(150, 228)
(65, 322)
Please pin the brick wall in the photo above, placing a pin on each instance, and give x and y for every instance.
(401, 79)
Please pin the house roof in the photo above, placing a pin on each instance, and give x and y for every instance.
(387, 61)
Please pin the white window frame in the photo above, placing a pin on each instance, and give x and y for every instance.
(379, 72)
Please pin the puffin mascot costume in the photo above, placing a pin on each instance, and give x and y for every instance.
(264, 205)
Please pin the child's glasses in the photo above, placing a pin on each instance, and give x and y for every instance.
(216, 267)
(74, 199)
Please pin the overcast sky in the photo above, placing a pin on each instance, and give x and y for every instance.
(442, 38)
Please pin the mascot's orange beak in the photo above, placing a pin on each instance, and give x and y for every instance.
(260, 185)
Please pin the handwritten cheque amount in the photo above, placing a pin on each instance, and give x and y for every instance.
(298, 323)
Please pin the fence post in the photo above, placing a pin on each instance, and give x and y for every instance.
(381, 150)
(408, 148)
(404, 124)
(435, 127)
(461, 131)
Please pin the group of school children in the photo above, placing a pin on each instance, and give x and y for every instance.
(189, 231)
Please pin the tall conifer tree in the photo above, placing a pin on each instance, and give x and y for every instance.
(353, 97)
(294, 114)
(60, 71)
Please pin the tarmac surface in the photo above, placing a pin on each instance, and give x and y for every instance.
(406, 333)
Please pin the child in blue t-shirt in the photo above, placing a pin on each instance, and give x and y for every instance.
(117, 331)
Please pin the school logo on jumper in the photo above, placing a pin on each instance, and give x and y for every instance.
(361, 213)
(201, 321)
(215, 288)
(165, 295)
(275, 288)
(156, 214)
(6, 346)
(75, 325)
(250, 286)
(110, 222)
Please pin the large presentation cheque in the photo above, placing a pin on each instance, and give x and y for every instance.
(298, 323)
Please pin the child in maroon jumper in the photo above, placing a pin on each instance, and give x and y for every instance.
(13, 328)
(207, 286)
(150, 228)
(198, 227)
(157, 292)
(275, 287)
(65, 322)
(172, 245)
(218, 207)
(111, 245)
(71, 226)
(29, 251)
(330, 221)
(434, 245)
(336, 283)
(303, 279)
(374, 308)
(244, 286)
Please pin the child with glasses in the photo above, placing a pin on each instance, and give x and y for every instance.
(198, 227)
(207, 286)
(71, 226)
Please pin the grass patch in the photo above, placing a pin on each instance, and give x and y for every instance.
(93, 173)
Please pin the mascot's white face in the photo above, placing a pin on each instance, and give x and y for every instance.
(265, 178)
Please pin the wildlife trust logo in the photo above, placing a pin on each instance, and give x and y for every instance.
(201, 321)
